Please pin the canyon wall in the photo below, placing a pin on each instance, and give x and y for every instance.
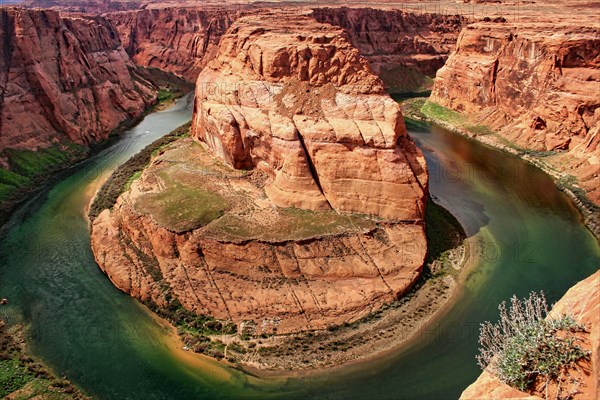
(583, 302)
(295, 131)
(404, 49)
(64, 78)
(180, 41)
(537, 85)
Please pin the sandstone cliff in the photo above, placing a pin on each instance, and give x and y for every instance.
(64, 78)
(180, 41)
(306, 109)
(537, 84)
(320, 220)
(404, 49)
(582, 301)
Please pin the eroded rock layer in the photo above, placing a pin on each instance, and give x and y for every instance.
(297, 101)
(180, 41)
(64, 78)
(404, 49)
(286, 270)
(537, 84)
(300, 207)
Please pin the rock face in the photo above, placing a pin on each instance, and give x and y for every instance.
(180, 41)
(306, 109)
(64, 78)
(582, 301)
(404, 49)
(323, 224)
(537, 84)
(287, 270)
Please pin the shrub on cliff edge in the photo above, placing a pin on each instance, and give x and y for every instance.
(525, 345)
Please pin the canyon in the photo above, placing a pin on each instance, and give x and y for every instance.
(404, 49)
(287, 240)
(180, 41)
(66, 84)
(538, 91)
(536, 84)
(297, 202)
(64, 79)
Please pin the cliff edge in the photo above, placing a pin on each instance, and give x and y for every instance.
(582, 301)
(537, 85)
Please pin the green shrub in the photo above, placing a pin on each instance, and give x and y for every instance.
(436, 111)
(524, 345)
(164, 95)
(30, 163)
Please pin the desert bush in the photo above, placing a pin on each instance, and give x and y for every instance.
(524, 344)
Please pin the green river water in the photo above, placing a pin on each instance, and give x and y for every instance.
(531, 238)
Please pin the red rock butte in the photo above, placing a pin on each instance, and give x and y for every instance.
(297, 101)
(316, 192)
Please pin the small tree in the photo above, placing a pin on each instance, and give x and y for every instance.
(524, 344)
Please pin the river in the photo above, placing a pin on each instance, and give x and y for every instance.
(531, 238)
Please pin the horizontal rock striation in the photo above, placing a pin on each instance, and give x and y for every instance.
(304, 107)
(404, 49)
(64, 78)
(180, 41)
(302, 205)
(537, 84)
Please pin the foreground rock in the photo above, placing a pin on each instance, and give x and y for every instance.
(582, 301)
(325, 227)
(536, 84)
(64, 78)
